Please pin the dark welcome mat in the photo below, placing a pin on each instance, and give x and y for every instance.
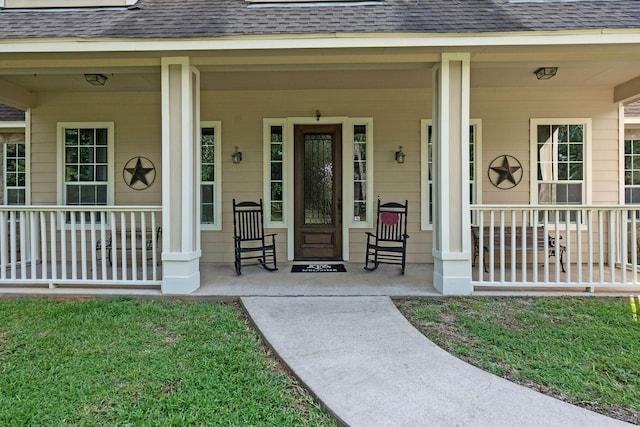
(318, 268)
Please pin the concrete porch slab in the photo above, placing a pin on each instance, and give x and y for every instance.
(221, 280)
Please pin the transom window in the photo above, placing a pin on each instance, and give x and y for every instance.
(210, 181)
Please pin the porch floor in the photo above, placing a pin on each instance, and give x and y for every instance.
(219, 280)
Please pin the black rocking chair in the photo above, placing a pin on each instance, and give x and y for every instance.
(249, 238)
(389, 243)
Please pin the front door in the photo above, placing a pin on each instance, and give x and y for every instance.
(318, 192)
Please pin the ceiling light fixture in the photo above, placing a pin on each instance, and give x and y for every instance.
(95, 79)
(545, 73)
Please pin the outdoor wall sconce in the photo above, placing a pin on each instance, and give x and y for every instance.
(545, 73)
(400, 155)
(95, 79)
(318, 115)
(236, 156)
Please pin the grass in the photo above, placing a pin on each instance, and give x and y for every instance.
(582, 350)
(133, 362)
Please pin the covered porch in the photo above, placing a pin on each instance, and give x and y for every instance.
(451, 114)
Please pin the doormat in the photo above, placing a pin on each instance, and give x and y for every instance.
(318, 268)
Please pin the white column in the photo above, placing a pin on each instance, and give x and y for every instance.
(452, 225)
(180, 195)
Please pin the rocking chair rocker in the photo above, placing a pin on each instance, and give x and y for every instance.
(249, 238)
(389, 243)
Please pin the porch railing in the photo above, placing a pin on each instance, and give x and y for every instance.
(103, 245)
(600, 245)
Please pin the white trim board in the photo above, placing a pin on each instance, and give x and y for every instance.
(342, 40)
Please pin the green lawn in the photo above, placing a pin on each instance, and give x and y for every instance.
(133, 362)
(583, 350)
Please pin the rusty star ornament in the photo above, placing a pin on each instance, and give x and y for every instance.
(505, 172)
(139, 173)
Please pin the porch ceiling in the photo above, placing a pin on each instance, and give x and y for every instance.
(491, 75)
(491, 67)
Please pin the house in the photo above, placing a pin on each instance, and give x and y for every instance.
(157, 113)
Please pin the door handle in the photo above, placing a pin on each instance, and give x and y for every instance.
(340, 210)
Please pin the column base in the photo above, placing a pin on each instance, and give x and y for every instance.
(180, 273)
(452, 273)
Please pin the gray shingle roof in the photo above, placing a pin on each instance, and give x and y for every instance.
(632, 110)
(10, 114)
(214, 18)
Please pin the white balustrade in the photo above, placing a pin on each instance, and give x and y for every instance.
(519, 246)
(62, 245)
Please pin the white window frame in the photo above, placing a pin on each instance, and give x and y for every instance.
(217, 183)
(287, 159)
(426, 222)
(6, 187)
(62, 126)
(348, 195)
(626, 123)
(19, 127)
(586, 155)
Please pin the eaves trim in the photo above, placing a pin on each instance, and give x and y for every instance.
(322, 41)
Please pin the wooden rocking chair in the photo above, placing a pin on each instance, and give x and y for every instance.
(389, 243)
(249, 238)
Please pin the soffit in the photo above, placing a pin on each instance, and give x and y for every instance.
(325, 68)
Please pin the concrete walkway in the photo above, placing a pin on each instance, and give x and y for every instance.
(370, 367)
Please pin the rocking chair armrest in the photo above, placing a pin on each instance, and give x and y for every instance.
(273, 237)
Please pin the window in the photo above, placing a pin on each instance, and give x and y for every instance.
(475, 129)
(632, 166)
(275, 169)
(14, 155)
(560, 149)
(87, 163)
(210, 180)
(362, 172)
(561, 171)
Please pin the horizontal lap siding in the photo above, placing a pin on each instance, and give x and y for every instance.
(396, 115)
(505, 115)
(138, 132)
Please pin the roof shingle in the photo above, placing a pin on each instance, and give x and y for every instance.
(216, 18)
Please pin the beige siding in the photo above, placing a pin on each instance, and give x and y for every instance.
(505, 115)
(137, 133)
(396, 114)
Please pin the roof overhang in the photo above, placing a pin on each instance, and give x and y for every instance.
(325, 41)
(591, 58)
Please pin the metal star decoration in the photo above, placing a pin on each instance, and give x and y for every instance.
(139, 179)
(505, 171)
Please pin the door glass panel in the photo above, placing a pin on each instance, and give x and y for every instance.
(318, 179)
